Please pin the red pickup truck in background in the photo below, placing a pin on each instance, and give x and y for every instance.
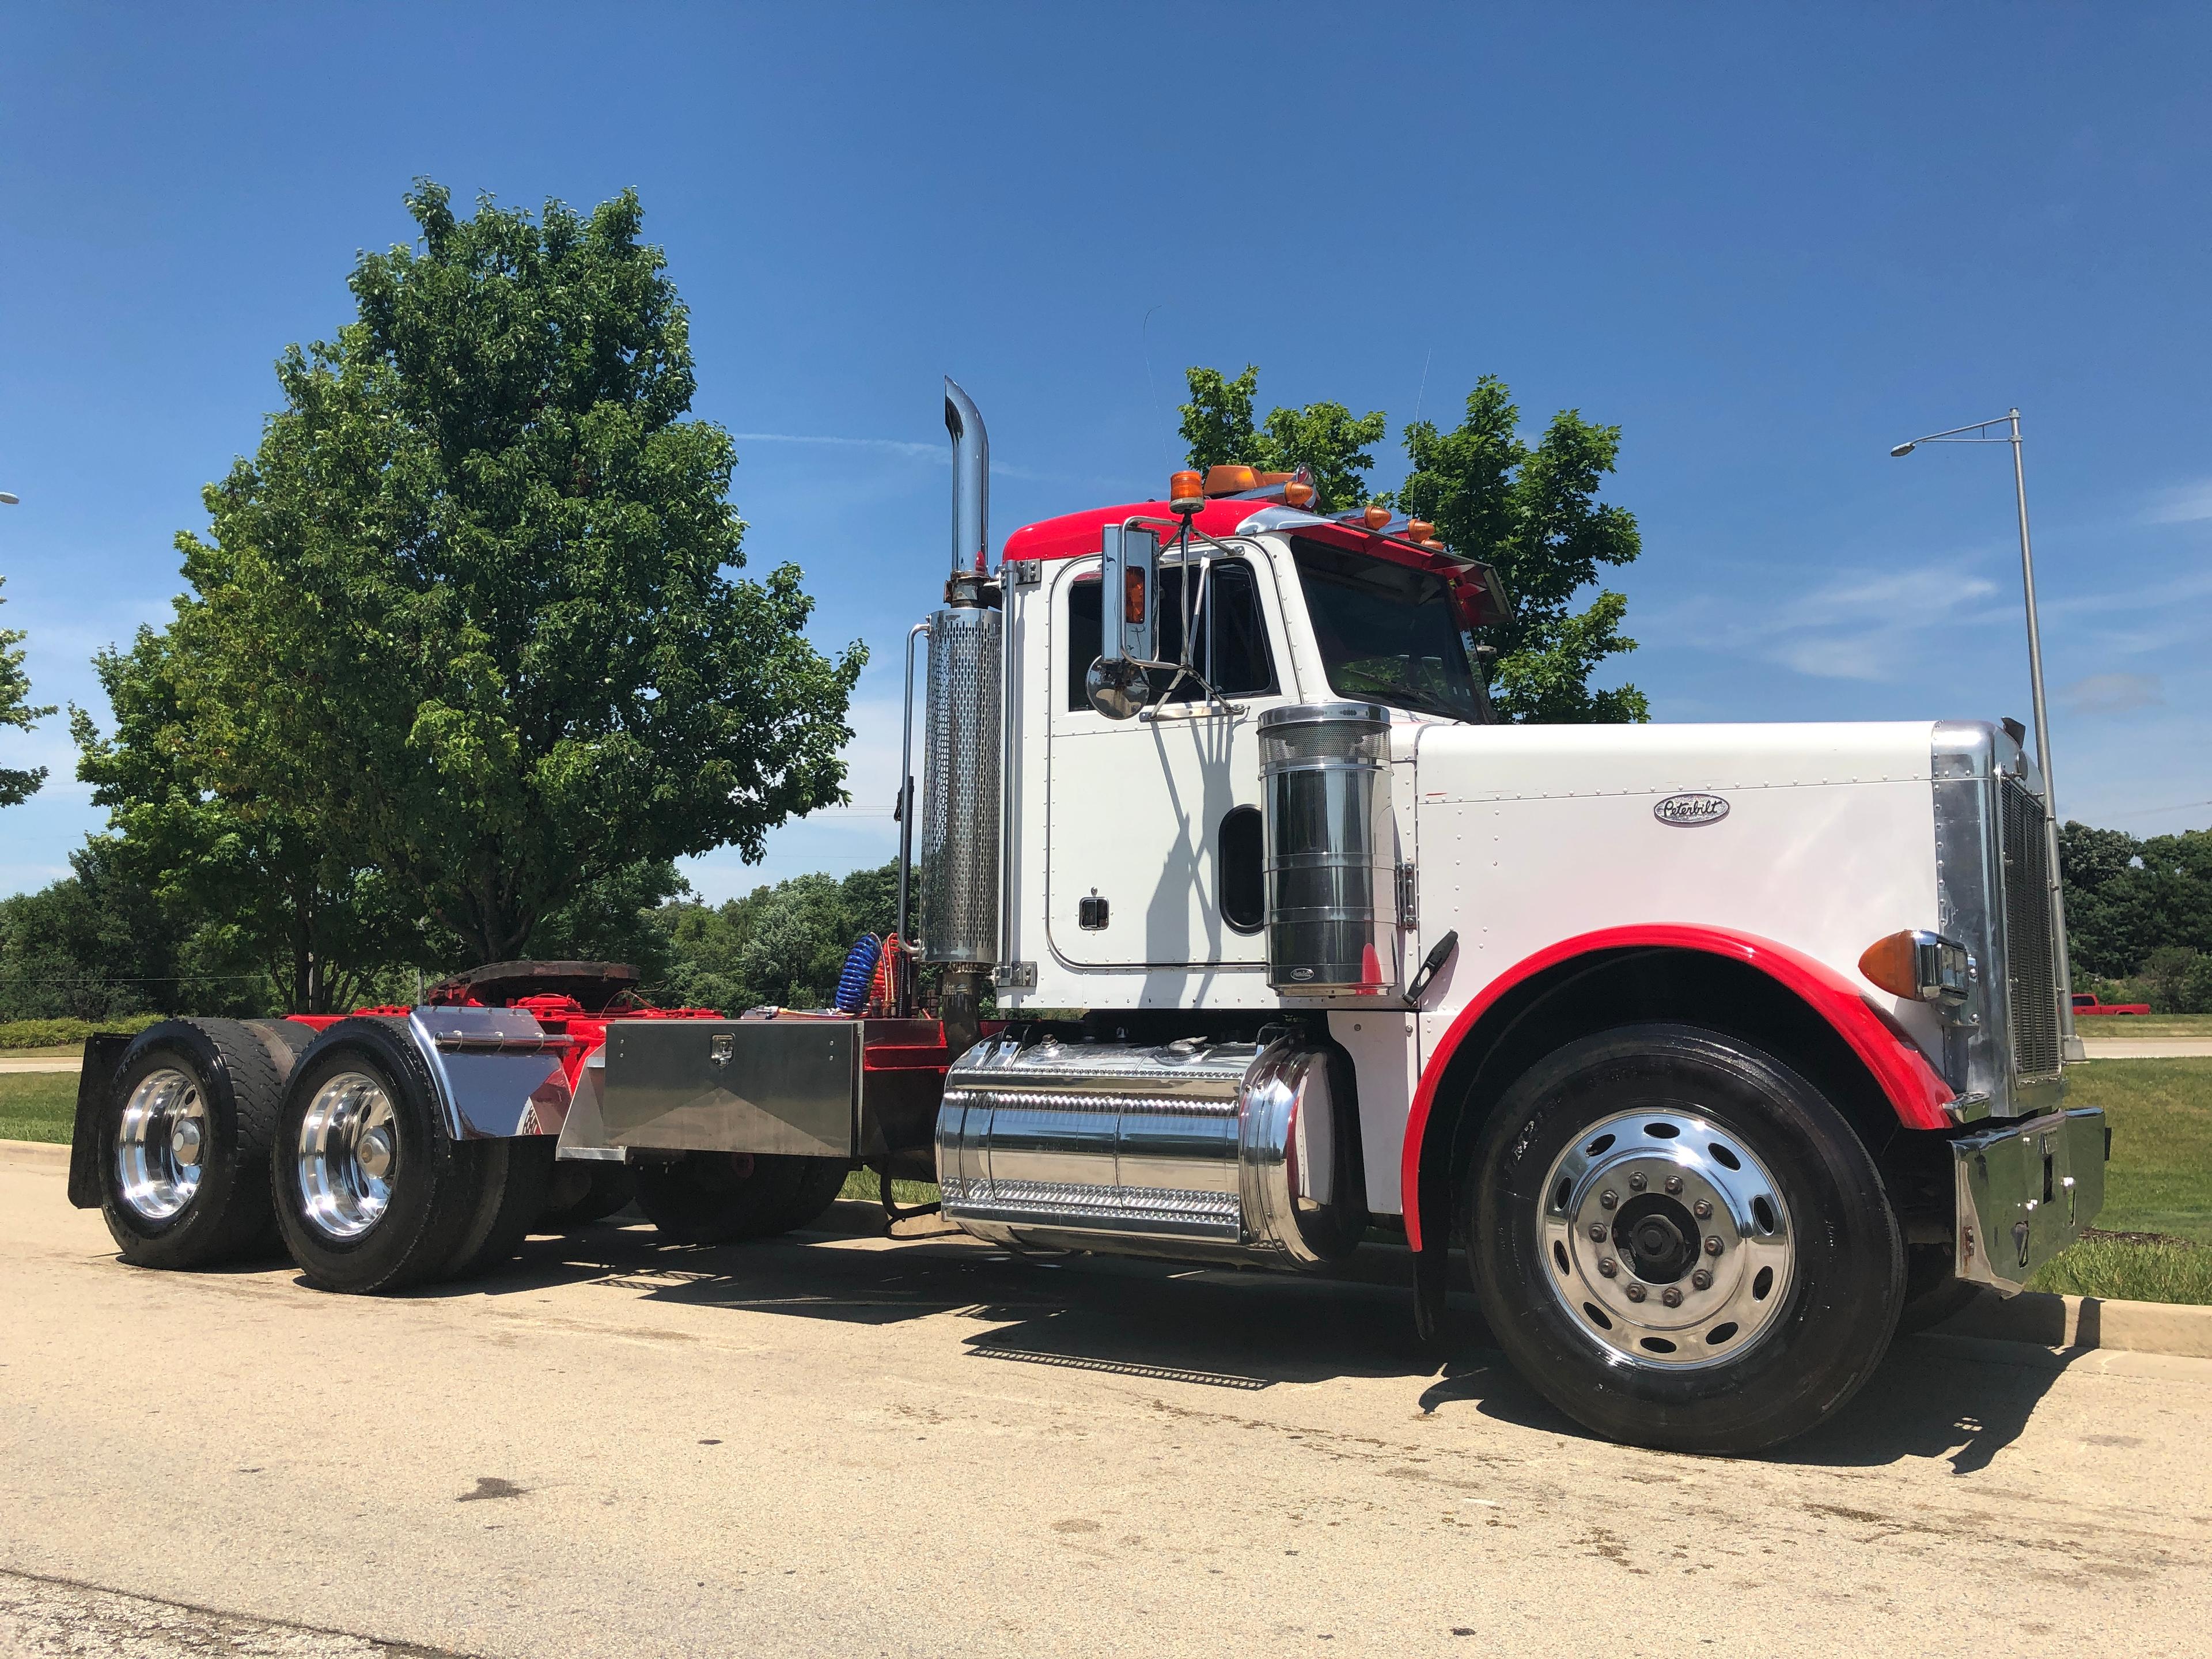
(2084, 1002)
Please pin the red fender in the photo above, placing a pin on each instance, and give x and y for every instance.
(1916, 1091)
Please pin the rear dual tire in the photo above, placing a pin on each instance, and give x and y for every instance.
(371, 1190)
(183, 1147)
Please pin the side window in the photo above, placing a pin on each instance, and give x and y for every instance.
(1243, 871)
(1233, 640)
(1086, 635)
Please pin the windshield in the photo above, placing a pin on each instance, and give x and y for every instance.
(1388, 633)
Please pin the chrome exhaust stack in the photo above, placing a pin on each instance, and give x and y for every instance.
(965, 720)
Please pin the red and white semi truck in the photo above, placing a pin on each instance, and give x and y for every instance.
(1708, 1054)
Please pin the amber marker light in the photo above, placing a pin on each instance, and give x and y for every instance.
(1376, 515)
(1419, 530)
(1297, 494)
(1230, 478)
(1185, 492)
(1922, 966)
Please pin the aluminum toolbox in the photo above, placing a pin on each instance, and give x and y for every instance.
(799, 1086)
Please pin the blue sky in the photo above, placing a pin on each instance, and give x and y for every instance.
(1768, 242)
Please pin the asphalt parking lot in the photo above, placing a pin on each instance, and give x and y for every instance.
(843, 1444)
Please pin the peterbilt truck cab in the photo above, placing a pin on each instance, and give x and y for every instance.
(1236, 928)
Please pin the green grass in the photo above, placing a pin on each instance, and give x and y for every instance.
(2160, 1180)
(862, 1184)
(37, 1105)
(2121, 1270)
(2144, 1025)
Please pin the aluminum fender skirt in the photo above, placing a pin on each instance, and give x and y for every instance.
(1916, 1093)
(498, 1072)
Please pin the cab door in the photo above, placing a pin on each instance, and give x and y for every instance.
(1153, 844)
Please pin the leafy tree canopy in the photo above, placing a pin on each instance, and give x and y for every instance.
(269, 884)
(1533, 513)
(17, 784)
(1327, 439)
(2129, 899)
(466, 614)
(783, 944)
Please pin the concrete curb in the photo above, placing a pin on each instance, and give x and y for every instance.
(34, 1155)
(2041, 1321)
(2086, 1322)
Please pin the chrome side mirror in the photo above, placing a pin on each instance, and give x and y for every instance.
(1117, 688)
(1130, 608)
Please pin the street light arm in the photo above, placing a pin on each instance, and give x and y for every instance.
(1951, 435)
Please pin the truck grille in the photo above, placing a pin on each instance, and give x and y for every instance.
(2031, 978)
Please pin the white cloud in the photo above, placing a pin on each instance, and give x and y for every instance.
(2112, 694)
(1867, 625)
(2184, 504)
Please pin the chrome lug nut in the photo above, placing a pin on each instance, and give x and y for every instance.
(1608, 1199)
(1597, 1233)
(1712, 1246)
(1671, 1296)
(1701, 1280)
(1636, 1291)
(1674, 1184)
(1703, 1209)
(1608, 1267)
(1636, 1183)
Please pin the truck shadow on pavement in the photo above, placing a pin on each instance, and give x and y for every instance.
(1933, 1397)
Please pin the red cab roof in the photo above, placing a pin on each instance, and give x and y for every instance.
(1072, 535)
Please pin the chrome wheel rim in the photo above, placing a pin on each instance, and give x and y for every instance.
(1667, 1240)
(348, 1155)
(161, 1144)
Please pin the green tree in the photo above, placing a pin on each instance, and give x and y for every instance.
(17, 784)
(1533, 513)
(1327, 439)
(783, 944)
(229, 851)
(472, 591)
(98, 944)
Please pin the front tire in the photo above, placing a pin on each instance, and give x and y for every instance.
(184, 1145)
(1680, 1242)
(372, 1192)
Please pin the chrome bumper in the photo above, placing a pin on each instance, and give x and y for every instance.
(2024, 1193)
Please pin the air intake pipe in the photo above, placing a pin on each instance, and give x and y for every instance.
(961, 825)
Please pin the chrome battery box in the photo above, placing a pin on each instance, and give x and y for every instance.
(2025, 1191)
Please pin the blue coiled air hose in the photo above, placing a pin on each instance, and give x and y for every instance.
(860, 973)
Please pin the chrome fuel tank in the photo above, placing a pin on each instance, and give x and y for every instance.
(1237, 1151)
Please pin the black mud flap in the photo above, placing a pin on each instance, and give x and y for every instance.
(1431, 1278)
(103, 1051)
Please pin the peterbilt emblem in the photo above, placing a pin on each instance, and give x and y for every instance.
(1687, 811)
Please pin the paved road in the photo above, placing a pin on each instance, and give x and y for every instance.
(845, 1445)
(2148, 1048)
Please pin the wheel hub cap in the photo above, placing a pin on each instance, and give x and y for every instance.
(160, 1143)
(348, 1154)
(1669, 1242)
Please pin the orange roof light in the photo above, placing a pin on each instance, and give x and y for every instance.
(1419, 530)
(1376, 515)
(1230, 478)
(1297, 494)
(1185, 492)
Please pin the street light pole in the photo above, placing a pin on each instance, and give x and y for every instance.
(2071, 1043)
